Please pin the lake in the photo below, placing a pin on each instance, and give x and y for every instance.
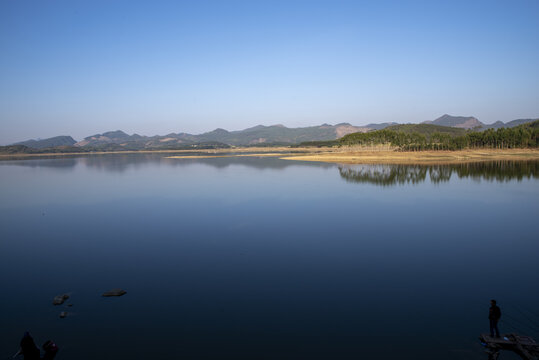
(262, 258)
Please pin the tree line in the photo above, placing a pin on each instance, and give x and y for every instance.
(523, 136)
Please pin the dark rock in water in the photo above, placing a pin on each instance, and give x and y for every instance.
(59, 299)
(69, 305)
(114, 292)
(63, 314)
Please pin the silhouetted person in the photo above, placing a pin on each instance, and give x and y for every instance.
(30, 351)
(28, 348)
(494, 314)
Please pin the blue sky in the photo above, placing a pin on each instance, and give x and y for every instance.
(154, 67)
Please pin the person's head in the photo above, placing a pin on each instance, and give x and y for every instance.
(493, 302)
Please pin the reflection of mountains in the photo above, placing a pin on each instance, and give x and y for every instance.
(64, 163)
(257, 162)
(122, 162)
(385, 175)
(388, 175)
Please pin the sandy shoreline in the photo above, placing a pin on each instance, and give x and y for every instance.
(331, 155)
(415, 157)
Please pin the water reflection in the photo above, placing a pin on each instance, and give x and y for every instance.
(382, 174)
(64, 163)
(389, 175)
(123, 162)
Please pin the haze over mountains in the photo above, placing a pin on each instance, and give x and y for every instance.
(258, 135)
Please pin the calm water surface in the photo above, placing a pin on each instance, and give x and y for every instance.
(261, 258)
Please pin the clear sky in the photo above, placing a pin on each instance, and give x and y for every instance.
(153, 67)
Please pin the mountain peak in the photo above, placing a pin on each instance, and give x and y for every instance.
(219, 131)
(465, 122)
(115, 134)
(118, 134)
(255, 128)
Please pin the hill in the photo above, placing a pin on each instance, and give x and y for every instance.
(47, 143)
(380, 126)
(532, 125)
(509, 124)
(110, 137)
(426, 129)
(465, 122)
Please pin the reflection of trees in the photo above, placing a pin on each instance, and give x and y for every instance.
(384, 175)
(502, 170)
(439, 173)
(388, 175)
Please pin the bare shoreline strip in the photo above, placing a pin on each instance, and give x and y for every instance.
(439, 157)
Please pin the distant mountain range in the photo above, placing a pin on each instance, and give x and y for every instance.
(259, 135)
(510, 124)
(470, 122)
(256, 136)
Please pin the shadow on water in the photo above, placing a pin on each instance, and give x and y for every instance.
(390, 175)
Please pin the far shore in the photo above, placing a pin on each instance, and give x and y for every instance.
(282, 150)
(344, 155)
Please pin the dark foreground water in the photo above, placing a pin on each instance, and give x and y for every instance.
(261, 258)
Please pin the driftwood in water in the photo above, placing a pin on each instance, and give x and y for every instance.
(524, 346)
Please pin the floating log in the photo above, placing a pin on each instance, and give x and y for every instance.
(524, 346)
(114, 292)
